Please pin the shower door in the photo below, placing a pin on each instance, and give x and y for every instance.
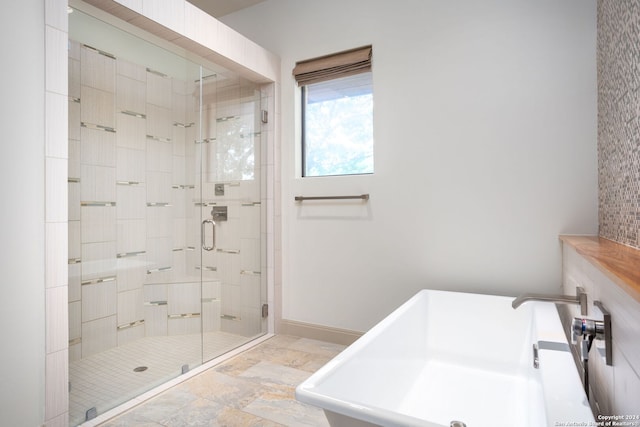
(165, 214)
(230, 212)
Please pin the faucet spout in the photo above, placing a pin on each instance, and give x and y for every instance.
(579, 299)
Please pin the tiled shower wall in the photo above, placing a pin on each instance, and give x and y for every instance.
(56, 152)
(619, 120)
(136, 203)
(209, 33)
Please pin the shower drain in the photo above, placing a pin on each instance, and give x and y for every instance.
(140, 369)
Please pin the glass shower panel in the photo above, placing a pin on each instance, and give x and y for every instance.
(166, 236)
(231, 198)
(135, 312)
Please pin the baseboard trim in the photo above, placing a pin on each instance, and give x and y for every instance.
(318, 332)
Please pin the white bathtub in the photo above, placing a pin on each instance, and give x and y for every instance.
(446, 356)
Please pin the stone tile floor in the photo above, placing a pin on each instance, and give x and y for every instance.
(255, 388)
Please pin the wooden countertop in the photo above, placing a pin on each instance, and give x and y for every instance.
(618, 262)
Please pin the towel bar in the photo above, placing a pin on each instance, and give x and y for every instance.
(303, 198)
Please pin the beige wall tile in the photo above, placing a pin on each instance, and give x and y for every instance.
(56, 384)
(183, 298)
(159, 222)
(75, 279)
(159, 187)
(56, 120)
(56, 61)
(98, 300)
(59, 421)
(131, 165)
(169, 13)
(74, 156)
(57, 329)
(128, 335)
(131, 132)
(159, 255)
(97, 70)
(159, 156)
(131, 94)
(201, 27)
(159, 121)
(98, 224)
(98, 260)
(211, 316)
(98, 147)
(130, 306)
(98, 335)
(56, 15)
(56, 190)
(184, 326)
(97, 107)
(75, 320)
(74, 120)
(159, 90)
(131, 70)
(97, 183)
(56, 238)
(132, 235)
(132, 272)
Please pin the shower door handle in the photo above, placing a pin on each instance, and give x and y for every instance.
(202, 239)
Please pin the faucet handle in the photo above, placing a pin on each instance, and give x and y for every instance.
(587, 327)
(607, 332)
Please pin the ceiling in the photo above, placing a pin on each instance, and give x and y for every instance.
(218, 8)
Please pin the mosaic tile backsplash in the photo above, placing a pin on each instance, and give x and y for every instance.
(619, 120)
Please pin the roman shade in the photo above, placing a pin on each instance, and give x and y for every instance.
(333, 66)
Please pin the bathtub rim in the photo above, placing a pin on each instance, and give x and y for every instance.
(549, 329)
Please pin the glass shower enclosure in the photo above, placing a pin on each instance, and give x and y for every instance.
(165, 215)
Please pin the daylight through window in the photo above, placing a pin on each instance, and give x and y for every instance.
(337, 114)
(338, 127)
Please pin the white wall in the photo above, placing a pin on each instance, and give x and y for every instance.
(22, 324)
(485, 150)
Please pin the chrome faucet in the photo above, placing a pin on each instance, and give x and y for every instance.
(579, 299)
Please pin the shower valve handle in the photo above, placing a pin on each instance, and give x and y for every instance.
(587, 327)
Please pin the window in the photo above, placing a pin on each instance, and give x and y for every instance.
(337, 114)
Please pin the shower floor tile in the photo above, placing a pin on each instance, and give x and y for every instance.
(107, 379)
(254, 388)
